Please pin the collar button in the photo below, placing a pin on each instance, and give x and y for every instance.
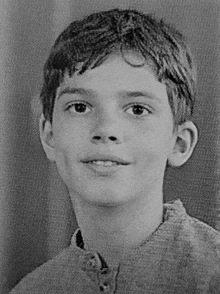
(104, 287)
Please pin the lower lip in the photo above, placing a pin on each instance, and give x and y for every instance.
(104, 170)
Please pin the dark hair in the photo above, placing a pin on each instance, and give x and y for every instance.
(88, 42)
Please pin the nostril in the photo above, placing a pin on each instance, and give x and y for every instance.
(104, 139)
(97, 138)
(112, 138)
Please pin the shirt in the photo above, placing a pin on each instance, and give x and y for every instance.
(181, 256)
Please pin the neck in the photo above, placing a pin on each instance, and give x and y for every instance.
(114, 231)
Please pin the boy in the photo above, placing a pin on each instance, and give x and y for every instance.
(118, 95)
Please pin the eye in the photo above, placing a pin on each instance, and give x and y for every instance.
(138, 110)
(78, 107)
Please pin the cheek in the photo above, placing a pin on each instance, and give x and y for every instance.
(151, 161)
(69, 136)
(66, 157)
(152, 146)
(68, 143)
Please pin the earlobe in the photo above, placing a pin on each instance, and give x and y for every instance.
(186, 139)
(46, 136)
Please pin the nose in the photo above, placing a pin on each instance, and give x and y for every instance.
(107, 131)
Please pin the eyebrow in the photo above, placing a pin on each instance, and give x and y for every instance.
(135, 94)
(81, 91)
(124, 94)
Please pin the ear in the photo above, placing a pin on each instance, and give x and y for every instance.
(186, 139)
(46, 136)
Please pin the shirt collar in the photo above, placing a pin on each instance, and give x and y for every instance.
(174, 212)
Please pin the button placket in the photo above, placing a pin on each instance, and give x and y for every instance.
(107, 280)
(98, 272)
(90, 264)
(91, 261)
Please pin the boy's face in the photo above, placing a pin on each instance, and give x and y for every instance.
(112, 133)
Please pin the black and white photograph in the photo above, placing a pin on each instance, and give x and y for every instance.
(110, 147)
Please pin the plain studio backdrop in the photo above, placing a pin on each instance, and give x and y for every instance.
(36, 219)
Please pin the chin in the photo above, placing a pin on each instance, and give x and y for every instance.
(106, 197)
(108, 200)
(107, 204)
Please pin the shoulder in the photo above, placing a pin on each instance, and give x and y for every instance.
(203, 246)
(191, 251)
(46, 278)
(190, 228)
(202, 236)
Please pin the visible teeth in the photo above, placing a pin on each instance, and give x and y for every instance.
(104, 162)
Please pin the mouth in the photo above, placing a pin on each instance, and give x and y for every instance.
(104, 165)
(105, 160)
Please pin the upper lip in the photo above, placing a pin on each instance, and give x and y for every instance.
(105, 157)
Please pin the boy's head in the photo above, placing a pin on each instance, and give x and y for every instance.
(87, 43)
(116, 84)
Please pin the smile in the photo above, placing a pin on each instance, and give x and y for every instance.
(105, 160)
(104, 163)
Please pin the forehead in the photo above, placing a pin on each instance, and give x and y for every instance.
(115, 75)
